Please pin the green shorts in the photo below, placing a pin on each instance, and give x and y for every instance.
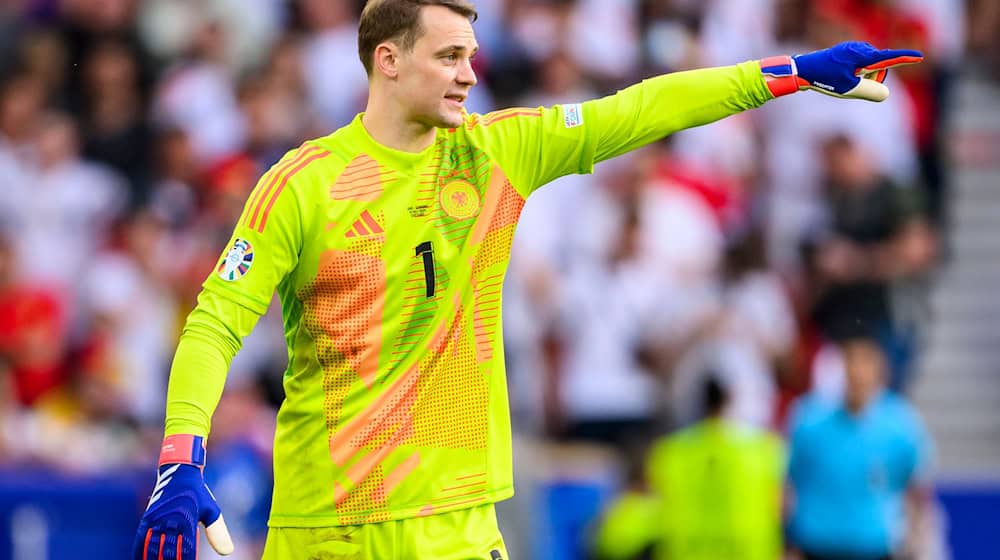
(465, 534)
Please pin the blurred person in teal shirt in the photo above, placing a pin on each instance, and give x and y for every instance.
(855, 465)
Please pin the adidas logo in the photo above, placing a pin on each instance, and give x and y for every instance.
(364, 226)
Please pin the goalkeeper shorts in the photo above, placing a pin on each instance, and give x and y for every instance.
(470, 533)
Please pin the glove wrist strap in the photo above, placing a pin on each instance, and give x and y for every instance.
(183, 448)
(781, 75)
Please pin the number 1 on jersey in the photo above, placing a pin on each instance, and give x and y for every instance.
(427, 250)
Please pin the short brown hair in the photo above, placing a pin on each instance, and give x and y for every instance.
(399, 21)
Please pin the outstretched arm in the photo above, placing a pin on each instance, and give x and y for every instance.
(660, 106)
(666, 104)
(535, 146)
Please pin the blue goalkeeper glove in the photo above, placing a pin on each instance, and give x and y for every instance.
(180, 500)
(853, 70)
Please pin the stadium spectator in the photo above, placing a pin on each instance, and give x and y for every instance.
(175, 185)
(22, 101)
(130, 351)
(792, 164)
(885, 23)
(65, 208)
(605, 393)
(276, 105)
(198, 94)
(331, 40)
(88, 25)
(34, 338)
(113, 117)
(983, 23)
(544, 248)
(750, 343)
(877, 234)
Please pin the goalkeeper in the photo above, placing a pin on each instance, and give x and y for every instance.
(387, 242)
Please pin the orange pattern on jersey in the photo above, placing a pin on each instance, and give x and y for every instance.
(393, 479)
(471, 121)
(473, 485)
(501, 208)
(428, 185)
(485, 315)
(360, 505)
(368, 490)
(491, 201)
(344, 302)
(265, 182)
(387, 419)
(508, 209)
(495, 232)
(363, 179)
(343, 310)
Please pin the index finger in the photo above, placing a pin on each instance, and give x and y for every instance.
(888, 58)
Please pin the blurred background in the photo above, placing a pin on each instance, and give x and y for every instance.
(728, 284)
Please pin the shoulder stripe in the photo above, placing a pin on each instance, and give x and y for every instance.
(266, 183)
(276, 174)
(313, 156)
(255, 195)
(503, 115)
(501, 112)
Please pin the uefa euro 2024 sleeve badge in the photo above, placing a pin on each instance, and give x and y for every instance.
(237, 261)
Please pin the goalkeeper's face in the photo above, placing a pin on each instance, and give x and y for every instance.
(436, 75)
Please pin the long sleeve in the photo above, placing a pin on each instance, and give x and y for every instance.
(660, 106)
(263, 251)
(535, 146)
(205, 351)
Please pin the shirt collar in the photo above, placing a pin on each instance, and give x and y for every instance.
(392, 158)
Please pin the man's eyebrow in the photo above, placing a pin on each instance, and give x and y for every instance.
(456, 48)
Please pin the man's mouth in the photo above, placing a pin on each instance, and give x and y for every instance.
(456, 98)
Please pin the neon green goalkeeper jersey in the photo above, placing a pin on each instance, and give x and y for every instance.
(389, 266)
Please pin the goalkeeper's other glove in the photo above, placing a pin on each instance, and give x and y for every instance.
(853, 70)
(169, 528)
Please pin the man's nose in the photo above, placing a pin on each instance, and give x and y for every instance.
(466, 75)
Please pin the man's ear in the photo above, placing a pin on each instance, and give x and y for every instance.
(386, 59)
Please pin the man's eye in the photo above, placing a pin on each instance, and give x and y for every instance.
(451, 57)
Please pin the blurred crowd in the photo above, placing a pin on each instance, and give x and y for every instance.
(747, 254)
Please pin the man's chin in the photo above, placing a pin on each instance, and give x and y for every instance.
(451, 119)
